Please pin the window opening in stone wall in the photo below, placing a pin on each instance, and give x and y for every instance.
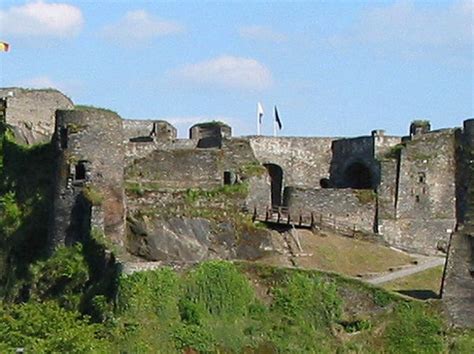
(417, 198)
(358, 176)
(421, 177)
(229, 178)
(63, 136)
(80, 173)
(276, 179)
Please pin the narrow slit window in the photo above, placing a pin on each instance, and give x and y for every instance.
(63, 136)
(80, 174)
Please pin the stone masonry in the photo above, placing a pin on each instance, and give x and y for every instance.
(411, 192)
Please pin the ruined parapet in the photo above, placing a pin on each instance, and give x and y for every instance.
(419, 127)
(89, 171)
(458, 280)
(148, 131)
(30, 113)
(210, 135)
(383, 144)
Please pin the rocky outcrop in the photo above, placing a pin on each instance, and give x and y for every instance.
(183, 239)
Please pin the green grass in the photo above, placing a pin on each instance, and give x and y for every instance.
(346, 255)
(365, 196)
(81, 107)
(427, 280)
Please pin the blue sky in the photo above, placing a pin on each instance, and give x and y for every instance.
(333, 68)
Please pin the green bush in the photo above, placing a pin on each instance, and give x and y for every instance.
(308, 299)
(47, 328)
(10, 215)
(220, 289)
(63, 277)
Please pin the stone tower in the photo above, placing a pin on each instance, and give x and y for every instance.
(458, 279)
(88, 189)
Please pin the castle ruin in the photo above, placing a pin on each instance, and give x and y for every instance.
(413, 192)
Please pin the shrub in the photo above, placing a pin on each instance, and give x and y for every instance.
(220, 289)
(47, 328)
(63, 276)
(10, 214)
(308, 299)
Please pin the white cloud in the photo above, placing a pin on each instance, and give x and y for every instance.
(262, 33)
(228, 72)
(407, 27)
(139, 25)
(40, 18)
(403, 21)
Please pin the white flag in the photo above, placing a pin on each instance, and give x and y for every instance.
(259, 112)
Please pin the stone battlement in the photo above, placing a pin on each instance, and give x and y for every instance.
(411, 192)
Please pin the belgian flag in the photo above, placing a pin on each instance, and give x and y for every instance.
(4, 47)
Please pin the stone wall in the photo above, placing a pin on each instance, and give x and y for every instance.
(151, 130)
(31, 112)
(305, 161)
(210, 135)
(384, 143)
(139, 149)
(458, 280)
(420, 214)
(347, 208)
(178, 169)
(89, 171)
(348, 152)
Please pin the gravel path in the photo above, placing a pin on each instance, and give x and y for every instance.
(431, 263)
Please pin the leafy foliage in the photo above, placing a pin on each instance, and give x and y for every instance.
(47, 328)
(61, 277)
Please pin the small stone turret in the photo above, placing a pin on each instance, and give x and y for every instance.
(418, 127)
(210, 135)
(89, 175)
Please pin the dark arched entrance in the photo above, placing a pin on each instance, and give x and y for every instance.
(276, 178)
(358, 176)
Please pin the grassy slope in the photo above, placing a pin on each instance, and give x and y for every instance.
(343, 255)
(428, 280)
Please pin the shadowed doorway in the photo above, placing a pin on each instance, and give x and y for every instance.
(276, 178)
(358, 176)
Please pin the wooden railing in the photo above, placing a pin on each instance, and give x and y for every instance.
(307, 219)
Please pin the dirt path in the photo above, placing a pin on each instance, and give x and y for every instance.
(430, 263)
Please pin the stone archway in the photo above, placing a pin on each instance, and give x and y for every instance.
(358, 176)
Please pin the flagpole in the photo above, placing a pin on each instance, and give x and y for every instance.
(258, 120)
(274, 122)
